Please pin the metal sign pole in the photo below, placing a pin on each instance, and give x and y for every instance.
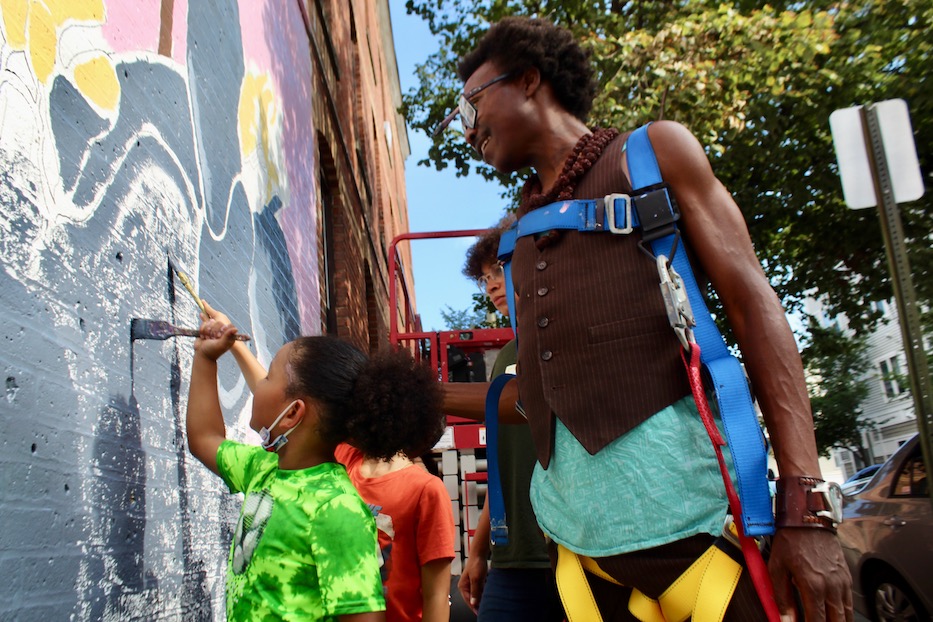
(904, 294)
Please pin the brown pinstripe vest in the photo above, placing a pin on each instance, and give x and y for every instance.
(594, 348)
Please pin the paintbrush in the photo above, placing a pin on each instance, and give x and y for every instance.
(187, 283)
(161, 330)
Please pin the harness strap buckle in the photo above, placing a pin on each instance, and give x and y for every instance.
(730, 533)
(657, 211)
(609, 201)
(676, 302)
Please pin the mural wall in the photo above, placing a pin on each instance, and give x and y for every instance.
(131, 132)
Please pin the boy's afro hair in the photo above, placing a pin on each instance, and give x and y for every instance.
(383, 404)
(396, 407)
(516, 44)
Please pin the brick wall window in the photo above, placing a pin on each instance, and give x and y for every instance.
(329, 299)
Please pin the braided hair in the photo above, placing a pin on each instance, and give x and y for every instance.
(584, 155)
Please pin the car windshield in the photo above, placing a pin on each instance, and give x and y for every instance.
(861, 474)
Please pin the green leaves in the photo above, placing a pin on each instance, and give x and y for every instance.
(756, 82)
(837, 365)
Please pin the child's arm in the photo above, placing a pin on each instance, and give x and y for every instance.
(435, 590)
(473, 579)
(205, 421)
(252, 369)
(372, 616)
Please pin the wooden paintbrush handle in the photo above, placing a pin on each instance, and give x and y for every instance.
(193, 332)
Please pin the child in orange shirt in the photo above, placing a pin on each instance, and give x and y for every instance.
(416, 533)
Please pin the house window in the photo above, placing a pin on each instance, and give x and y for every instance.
(881, 306)
(890, 377)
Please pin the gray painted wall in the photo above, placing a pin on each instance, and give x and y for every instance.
(128, 133)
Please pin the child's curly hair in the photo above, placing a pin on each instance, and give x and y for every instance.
(382, 405)
(516, 44)
(485, 251)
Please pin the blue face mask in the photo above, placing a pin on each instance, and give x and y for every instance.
(266, 433)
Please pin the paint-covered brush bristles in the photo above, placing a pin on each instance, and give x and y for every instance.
(161, 330)
(186, 282)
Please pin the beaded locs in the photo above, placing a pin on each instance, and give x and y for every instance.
(584, 155)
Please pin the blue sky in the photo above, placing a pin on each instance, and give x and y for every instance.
(437, 200)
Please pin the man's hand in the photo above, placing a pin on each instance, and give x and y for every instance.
(811, 560)
(472, 581)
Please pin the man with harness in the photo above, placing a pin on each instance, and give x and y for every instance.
(627, 487)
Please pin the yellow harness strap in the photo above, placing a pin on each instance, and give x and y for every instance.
(703, 590)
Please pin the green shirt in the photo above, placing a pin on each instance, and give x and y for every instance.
(527, 547)
(657, 483)
(305, 545)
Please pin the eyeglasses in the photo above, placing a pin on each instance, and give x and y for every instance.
(495, 274)
(466, 109)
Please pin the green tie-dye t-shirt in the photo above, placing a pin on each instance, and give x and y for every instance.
(305, 545)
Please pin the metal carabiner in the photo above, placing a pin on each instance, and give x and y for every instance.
(676, 302)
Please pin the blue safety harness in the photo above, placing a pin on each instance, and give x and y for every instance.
(652, 211)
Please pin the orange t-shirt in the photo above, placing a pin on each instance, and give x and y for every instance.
(416, 526)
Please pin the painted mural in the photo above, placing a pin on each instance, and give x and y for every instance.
(131, 132)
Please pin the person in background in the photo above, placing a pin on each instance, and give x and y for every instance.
(416, 530)
(626, 475)
(305, 546)
(520, 583)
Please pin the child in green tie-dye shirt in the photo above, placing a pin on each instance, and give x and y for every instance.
(305, 545)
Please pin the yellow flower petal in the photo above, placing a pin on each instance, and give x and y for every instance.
(98, 81)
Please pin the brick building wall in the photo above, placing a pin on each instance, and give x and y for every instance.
(245, 139)
(363, 141)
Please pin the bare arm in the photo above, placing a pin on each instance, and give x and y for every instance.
(715, 228)
(468, 400)
(435, 590)
(716, 232)
(373, 616)
(204, 421)
(473, 578)
(252, 370)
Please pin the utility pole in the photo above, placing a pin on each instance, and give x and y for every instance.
(904, 294)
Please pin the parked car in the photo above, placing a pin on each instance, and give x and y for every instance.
(887, 539)
(860, 480)
(863, 473)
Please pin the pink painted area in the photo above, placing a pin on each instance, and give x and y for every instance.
(180, 31)
(255, 30)
(132, 26)
(275, 43)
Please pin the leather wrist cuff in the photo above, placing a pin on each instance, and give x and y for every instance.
(799, 505)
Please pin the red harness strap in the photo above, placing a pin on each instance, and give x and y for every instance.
(753, 559)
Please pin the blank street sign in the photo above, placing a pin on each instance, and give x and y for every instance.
(852, 155)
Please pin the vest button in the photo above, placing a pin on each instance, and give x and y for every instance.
(542, 291)
(547, 355)
(542, 322)
(541, 265)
